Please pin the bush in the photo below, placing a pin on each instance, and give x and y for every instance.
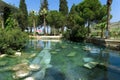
(77, 33)
(11, 40)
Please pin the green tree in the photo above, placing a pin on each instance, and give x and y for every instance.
(75, 23)
(42, 14)
(32, 18)
(89, 10)
(63, 8)
(10, 40)
(7, 13)
(74, 18)
(109, 2)
(101, 26)
(55, 20)
(23, 21)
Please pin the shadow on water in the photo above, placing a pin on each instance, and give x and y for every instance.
(54, 74)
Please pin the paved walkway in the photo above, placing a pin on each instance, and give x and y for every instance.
(47, 37)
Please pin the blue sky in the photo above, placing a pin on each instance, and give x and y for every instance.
(54, 5)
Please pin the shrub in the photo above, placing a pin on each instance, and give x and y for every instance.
(12, 40)
(77, 33)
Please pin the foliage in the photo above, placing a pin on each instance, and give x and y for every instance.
(55, 19)
(7, 12)
(12, 38)
(44, 5)
(32, 19)
(77, 33)
(91, 11)
(63, 8)
(23, 15)
(11, 23)
(75, 24)
(101, 26)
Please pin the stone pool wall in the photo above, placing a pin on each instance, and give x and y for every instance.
(112, 44)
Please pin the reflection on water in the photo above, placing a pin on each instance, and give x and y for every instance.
(71, 67)
(67, 60)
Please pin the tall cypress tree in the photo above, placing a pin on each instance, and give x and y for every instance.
(23, 21)
(42, 13)
(63, 8)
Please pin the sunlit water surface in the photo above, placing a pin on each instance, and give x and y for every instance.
(67, 60)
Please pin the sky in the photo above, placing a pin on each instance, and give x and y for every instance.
(54, 5)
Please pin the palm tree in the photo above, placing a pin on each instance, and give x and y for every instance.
(109, 2)
(32, 17)
(43, 13)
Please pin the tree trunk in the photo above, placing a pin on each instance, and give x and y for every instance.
(101, 33)
(34, 27)
(109, 2)
(88, 28)
(44, 25)
(2, 24)
(62, 29)
(30, 29)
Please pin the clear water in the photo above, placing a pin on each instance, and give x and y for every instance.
(67, 61)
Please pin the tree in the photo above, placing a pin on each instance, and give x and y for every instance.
(32, 18)
(109, 2)
(12, 38)
(7, 13)
(89, 10)
(23, 21)
(55, 20)
(63, 8)
(74, 18)
(42, 14)
(101, 26)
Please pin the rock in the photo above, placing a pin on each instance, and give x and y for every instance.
(88, 59)
(90, 65)
(95, 51)
(20, 66)
(33, 55)
(57, 50)
(29, 78)
(86, 48)
(18, 54)
(63, 47)
(25, 61)
(34, 67)
(75, 47)
(21, 74)
(53, 52)
(3, 55)
(71, 54)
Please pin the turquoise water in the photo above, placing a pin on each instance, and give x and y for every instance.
(67, 60)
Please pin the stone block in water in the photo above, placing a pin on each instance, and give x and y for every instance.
(88, 59)
(72, 54)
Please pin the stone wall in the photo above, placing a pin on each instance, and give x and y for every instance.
(112, 44)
